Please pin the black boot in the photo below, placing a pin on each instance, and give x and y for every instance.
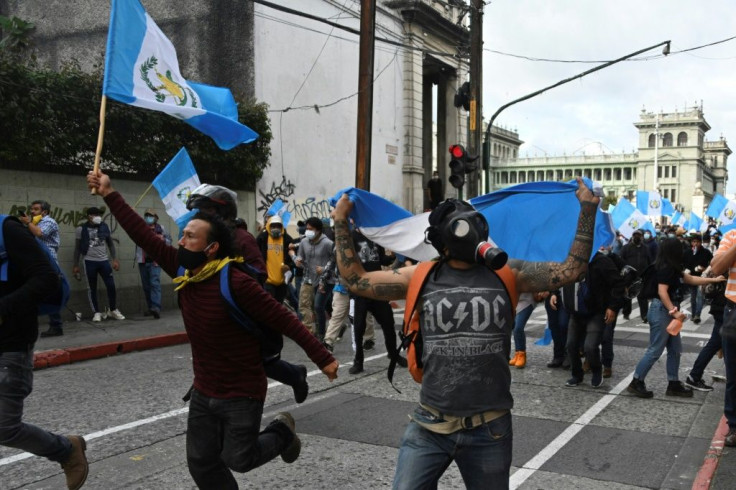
(52, 332)
(638, 388)
(676, 388)
(356, 368)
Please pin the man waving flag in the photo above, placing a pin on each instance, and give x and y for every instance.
(142, 69)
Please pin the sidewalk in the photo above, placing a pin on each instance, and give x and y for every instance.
(85, 340)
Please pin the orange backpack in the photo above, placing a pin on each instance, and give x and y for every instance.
(411, 335)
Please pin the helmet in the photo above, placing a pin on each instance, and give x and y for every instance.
(632, 281)
(221, 198)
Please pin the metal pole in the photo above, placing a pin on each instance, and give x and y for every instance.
(666, 51)
(365, 94)
(476, 90)
(656, 152)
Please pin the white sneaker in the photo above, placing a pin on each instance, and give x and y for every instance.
(117, 315)
(97, 317)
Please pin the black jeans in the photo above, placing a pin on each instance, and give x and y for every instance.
(224, 434)
(383, 314)
(710, 349)
(591, 327)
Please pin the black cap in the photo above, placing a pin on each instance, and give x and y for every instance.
(94, 211)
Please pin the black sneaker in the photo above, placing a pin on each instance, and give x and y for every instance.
(557, 362)
(644, 320)
(676, 388)
(356, 368)
(155, 314)
(597, 379)
(301, 389)
(696, 320)
(573, 382)
(730, 440)
(697, 385)
(291, 452)
(52, 332)
(638, 388)
(369, 344)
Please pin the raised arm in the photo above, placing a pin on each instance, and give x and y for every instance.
(545, 276)
(383, 285)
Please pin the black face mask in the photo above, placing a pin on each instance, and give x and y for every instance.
(191, 260)
(636, 240)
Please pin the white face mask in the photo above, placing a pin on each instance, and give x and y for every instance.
(97, 220)
(310, 234)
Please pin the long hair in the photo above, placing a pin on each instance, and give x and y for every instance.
(669, 255)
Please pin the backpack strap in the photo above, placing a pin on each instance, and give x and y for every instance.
(233, 309)
(421, 273)
(506, 274)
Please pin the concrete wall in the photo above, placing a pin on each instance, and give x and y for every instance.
(69, 199)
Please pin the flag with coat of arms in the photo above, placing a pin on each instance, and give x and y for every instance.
(142, 69)
(651, 203)
(175, 183)
(627, 219)
(723, 210)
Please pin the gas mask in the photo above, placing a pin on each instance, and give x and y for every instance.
(275, 232)
(456, 226)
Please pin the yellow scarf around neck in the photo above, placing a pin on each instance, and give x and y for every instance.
(210, 269)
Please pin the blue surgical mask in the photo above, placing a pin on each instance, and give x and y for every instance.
(310, 234)
(150, 220)
(647, 236)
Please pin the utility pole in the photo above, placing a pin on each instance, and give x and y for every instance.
(365, 94)
(475, 128)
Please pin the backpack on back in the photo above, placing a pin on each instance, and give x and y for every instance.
(55, 302)
(649, 285)
(411, 334)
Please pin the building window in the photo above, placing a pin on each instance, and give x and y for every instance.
(666, 193)
(667, 139)
(666, 171)
(587, 173)
(504, 177)
(530, 176)
(617, 174)
(597, 174)
(522, 177)
(550, 175)
(515, 153)
(568, 174)
(512, 179)
(659, 172)
(627, 174)
(652, 140)
(540, 175)
(672, 194)
(559, 175)
(682, 139)
(607, 174)
(674, 171)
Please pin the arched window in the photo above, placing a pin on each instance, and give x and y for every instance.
(682, 139)
(522, 177)
(667, 139)
(550, 175)
(540, 175)
(652, 139)
(512, 179)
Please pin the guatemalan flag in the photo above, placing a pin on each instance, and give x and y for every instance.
(142, 69)
(535, 221)
(723, 210)
(696, 223)
(175, 183)
(651, 203)
(627, 219)
(679, 219)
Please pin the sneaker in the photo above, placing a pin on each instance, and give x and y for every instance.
(116, 314)
(597, 379)
(566, 363)
(730, 439)
(328, 346)
(356, 368)
(555, 363)
(76, 466)
(638, 388)
(626, 317)
(291, 452)
(97, 317)
(573, 382)
(369, 344)
(301, 389)
(697, 385)
(52, 332)
(156, 314)
(607, 372)
(676, 388)
(342, 332)
(644, 320)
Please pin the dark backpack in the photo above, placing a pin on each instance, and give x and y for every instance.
(649, 286)
(55, 302)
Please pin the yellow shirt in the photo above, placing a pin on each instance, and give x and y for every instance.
(274, 260)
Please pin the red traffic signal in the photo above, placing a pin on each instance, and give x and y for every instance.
(460, 165)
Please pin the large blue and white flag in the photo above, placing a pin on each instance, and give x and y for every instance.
(651, 203)
(679, 219)
(696, 223)
(279, 208)
(142, 69)
(533, 221)
(722, 209)
(627, 219)
(175, 183)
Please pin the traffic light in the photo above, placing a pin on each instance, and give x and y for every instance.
(460, 164)
(462, 96)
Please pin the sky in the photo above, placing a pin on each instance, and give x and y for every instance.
(595, 114)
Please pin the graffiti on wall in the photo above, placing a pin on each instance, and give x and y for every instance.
(300, 208)
(71, 218)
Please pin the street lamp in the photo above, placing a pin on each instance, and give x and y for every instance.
(487, 159)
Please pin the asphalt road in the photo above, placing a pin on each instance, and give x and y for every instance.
(129, 408)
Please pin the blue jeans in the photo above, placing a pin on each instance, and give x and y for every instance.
(590, 328)
(709, 350)
(519, 323)
(16, 383)
(659, 318)
(320, 305)
(557, 321)
(151, 281)
(483, 456)
(224, 434)
(696, 300)
(728, 337)
(104, 269)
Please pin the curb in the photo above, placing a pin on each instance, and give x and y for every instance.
(705, 475)
(60, 357)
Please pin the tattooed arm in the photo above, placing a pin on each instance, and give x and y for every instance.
(383, 285)
(544, 276)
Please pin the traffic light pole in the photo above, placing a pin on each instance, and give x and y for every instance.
(365, 94)
(665, 51)
(476, 90)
